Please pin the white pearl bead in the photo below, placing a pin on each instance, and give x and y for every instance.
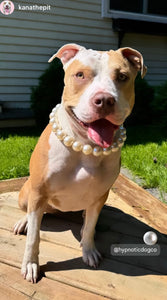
(87, 149)
(60, 134)
(120, 142)
(107, 151)
(97, 151)
(114, 147)
(55, 127)
(68, 141)
(77, 146)
(56, 108)
(123, 136)
(52, 120)
(122, 129)
(51, 115)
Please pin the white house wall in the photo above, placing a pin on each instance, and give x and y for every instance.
(154, 49)
(28, 39)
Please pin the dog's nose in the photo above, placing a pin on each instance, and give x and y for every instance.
(103, 101)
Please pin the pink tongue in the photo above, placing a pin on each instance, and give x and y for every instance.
(102, 132)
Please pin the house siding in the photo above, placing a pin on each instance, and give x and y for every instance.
(154, 49)
(29, 38)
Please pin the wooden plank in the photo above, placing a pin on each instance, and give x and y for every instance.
(153, 211)
(12, 185)
(61, 256)
(112, 229)
(67, 233)
(112, 279)
(127, 196)
(12, 286)
(7, 292)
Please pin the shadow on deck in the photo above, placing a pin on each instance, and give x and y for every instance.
(129, 212)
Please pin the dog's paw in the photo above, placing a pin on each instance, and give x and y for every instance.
(91, 257)
(21, 226)
(30, 272)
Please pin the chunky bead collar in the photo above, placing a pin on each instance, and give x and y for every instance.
(78, 146)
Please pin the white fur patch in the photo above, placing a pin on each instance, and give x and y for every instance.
(102, 83)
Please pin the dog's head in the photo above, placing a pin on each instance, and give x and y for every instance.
(7, 7)
(99, 88)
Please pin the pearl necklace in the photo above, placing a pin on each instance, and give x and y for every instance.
(77, 146)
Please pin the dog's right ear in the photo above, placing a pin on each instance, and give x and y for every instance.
(66, 52)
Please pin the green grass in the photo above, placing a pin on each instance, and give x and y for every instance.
(15, 152)
(145, 154)
(142, 146)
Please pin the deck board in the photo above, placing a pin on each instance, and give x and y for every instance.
(123, 220)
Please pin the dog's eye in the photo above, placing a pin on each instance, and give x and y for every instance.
(80, 75)
(122, 77)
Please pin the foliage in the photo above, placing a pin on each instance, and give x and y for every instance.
(159, 105)
(48, 92)
(144, 95)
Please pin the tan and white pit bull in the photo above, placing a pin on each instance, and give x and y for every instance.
(98, 96)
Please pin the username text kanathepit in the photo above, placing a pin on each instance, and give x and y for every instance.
(34, 7)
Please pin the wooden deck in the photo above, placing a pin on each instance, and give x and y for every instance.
(129, 213)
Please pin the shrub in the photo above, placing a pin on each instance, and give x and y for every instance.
(159, 105)
(48, 92)
(142, 111)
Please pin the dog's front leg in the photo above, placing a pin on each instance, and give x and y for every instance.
(30, 265)
(91, 255)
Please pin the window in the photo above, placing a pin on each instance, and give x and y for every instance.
(142, 10)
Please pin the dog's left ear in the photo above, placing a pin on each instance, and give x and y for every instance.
(66, 52)
(135, 58)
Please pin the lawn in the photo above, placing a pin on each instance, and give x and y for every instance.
(144, 153)
(16, 147)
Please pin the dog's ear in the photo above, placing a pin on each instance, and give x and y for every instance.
(135, 58)
(66, 52)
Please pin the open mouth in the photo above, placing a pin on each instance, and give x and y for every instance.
(100, 131)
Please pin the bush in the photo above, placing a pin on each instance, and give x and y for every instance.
(148, 108)
(159, 105)
(48, 92)
(142, 111)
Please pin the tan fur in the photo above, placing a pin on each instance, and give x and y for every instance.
(74, 87)
(63, 179)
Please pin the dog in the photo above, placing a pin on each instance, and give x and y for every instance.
(7, 7)
(77, 158)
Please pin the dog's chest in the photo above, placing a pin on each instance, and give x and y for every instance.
(76, 180)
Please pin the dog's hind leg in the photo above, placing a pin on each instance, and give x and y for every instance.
(23, 195)
(21, 225)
